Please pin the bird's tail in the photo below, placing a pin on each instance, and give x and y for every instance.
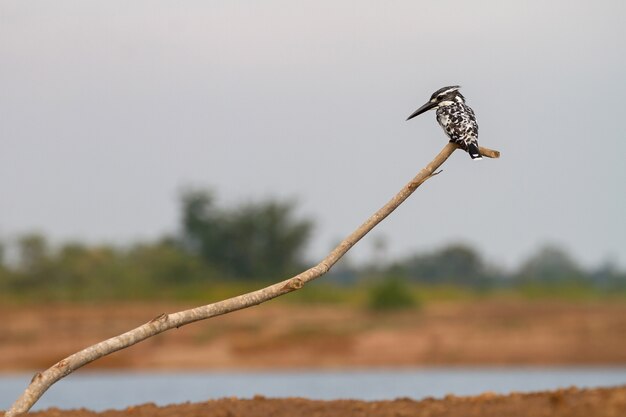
(473, 151)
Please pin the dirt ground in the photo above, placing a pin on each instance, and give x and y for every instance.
(570, 402)
(279, 336)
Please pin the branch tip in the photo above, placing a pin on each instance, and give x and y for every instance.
(489, 153)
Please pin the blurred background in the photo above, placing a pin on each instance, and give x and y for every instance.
(157, 156)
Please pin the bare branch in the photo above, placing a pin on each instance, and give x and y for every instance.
(42, 381)
(489, 153)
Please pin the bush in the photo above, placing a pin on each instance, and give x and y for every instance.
(391, 294)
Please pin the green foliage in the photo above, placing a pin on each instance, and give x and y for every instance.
(549, 264)
(75, 272)
(4, 272)
(256, 242)
(165, 263)
(457, 263)
(391, 293)
(261, 240)
(33, 252)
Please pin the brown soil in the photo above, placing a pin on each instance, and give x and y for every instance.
(285, 336)
(570, 402)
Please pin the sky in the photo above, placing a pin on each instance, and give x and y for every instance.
(109, 109)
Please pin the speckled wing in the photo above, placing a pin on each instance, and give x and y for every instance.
(459, 123)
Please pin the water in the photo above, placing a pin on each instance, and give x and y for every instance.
(104, 390)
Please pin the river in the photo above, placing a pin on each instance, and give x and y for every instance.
(104, 390)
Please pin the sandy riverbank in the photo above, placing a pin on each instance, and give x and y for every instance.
(562, 403)
(279, 336)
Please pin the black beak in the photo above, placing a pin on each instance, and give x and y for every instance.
(422, 109)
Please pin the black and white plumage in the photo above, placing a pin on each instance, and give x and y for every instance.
(455, 117)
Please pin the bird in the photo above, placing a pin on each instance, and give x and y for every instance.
(455, 117)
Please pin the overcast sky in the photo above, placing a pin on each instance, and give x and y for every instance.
(108, 109)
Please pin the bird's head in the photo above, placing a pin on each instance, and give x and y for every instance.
(443, 97)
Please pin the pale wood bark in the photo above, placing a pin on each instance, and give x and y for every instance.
(43, 380)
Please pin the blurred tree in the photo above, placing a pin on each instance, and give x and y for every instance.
(32, 253)
(457, 263)
(608, 277)
(4, 273)
(166, 263)
(551, 264)
(83, 272)
(31, 266)
(261, 240)
(203, 228)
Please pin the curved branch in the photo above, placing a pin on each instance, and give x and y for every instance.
(43, 380)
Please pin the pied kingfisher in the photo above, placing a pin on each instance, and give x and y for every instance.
(455, 117)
